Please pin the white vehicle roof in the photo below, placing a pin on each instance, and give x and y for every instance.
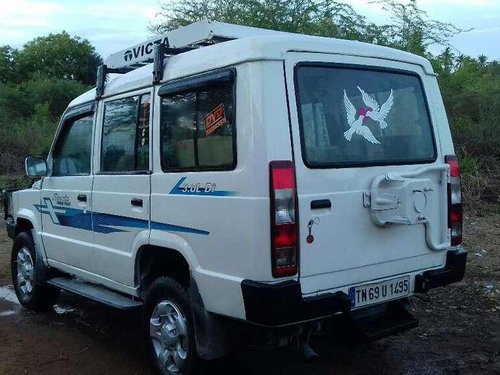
(264, 46)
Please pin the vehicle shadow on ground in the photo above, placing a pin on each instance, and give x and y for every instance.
(121, 331)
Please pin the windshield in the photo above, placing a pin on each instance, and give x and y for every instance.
(356, 116)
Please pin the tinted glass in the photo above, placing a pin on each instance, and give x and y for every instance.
(358, 117)
(125, 137)
(73, 149)
(215, 127)
(197, 130)
(178, 130)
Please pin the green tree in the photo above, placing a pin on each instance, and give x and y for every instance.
(7, 64)
(471, 93)
(482, 60)
(410, 29)
(59, 56)
(444, 63)
(20, 100)
(314, 17)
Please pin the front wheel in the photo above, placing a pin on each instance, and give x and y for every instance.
(169, 328)
(28, 276)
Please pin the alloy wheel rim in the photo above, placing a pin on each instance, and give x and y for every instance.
(169, 335)
(25, 272)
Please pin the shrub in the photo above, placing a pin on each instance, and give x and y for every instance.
(25, 137)
(28, 117)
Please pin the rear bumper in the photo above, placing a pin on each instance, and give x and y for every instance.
(453, 271)
(280, 304)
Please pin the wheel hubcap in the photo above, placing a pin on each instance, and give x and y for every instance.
(25, 271)
(169, 335)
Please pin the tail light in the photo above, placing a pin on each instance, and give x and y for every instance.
(284, 252)
(454, 201)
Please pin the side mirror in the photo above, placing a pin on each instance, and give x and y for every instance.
(35, 167)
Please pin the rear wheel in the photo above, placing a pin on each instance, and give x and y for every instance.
(29, 276)
(169, 329)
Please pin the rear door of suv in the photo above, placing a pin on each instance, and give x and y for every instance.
(370, 177)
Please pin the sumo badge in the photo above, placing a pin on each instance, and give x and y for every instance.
(62, 199)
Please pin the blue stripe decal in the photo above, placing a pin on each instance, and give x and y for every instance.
(177, 228)
(208, 190)
(103, 223)
(80, 220)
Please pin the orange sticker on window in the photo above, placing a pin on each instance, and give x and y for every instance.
(215, 119)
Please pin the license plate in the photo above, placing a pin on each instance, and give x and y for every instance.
(368, 294)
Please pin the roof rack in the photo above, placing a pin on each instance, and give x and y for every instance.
(195, 35)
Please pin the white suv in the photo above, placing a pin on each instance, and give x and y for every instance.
(247, 179)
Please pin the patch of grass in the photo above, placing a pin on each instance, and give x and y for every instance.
(470, 165)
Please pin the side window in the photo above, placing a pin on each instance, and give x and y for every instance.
(197, 130)
(71, 155)
(125, 135)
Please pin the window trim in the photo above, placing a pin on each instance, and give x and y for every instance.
(341, 165)
(193, 84)
(129, 173)
(73, 114)
(197, 81)
(148, 171)
(137, 136)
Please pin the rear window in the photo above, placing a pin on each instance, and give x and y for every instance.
(357, 117)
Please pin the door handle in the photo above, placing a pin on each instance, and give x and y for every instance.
(136, 202)
(82, 197)
(321, 203)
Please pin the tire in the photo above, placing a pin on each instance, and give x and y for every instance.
(168, 328)
(29, 275)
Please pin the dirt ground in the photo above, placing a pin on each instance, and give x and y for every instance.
(458, 332)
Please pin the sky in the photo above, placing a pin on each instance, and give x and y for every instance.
(112, 25)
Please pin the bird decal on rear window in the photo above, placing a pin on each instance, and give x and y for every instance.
(372, 110)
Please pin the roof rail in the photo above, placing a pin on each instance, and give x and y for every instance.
(195, 35)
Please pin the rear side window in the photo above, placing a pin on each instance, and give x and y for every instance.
(125, 136)
(356, 117)
(73, 149)
(197, 129)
